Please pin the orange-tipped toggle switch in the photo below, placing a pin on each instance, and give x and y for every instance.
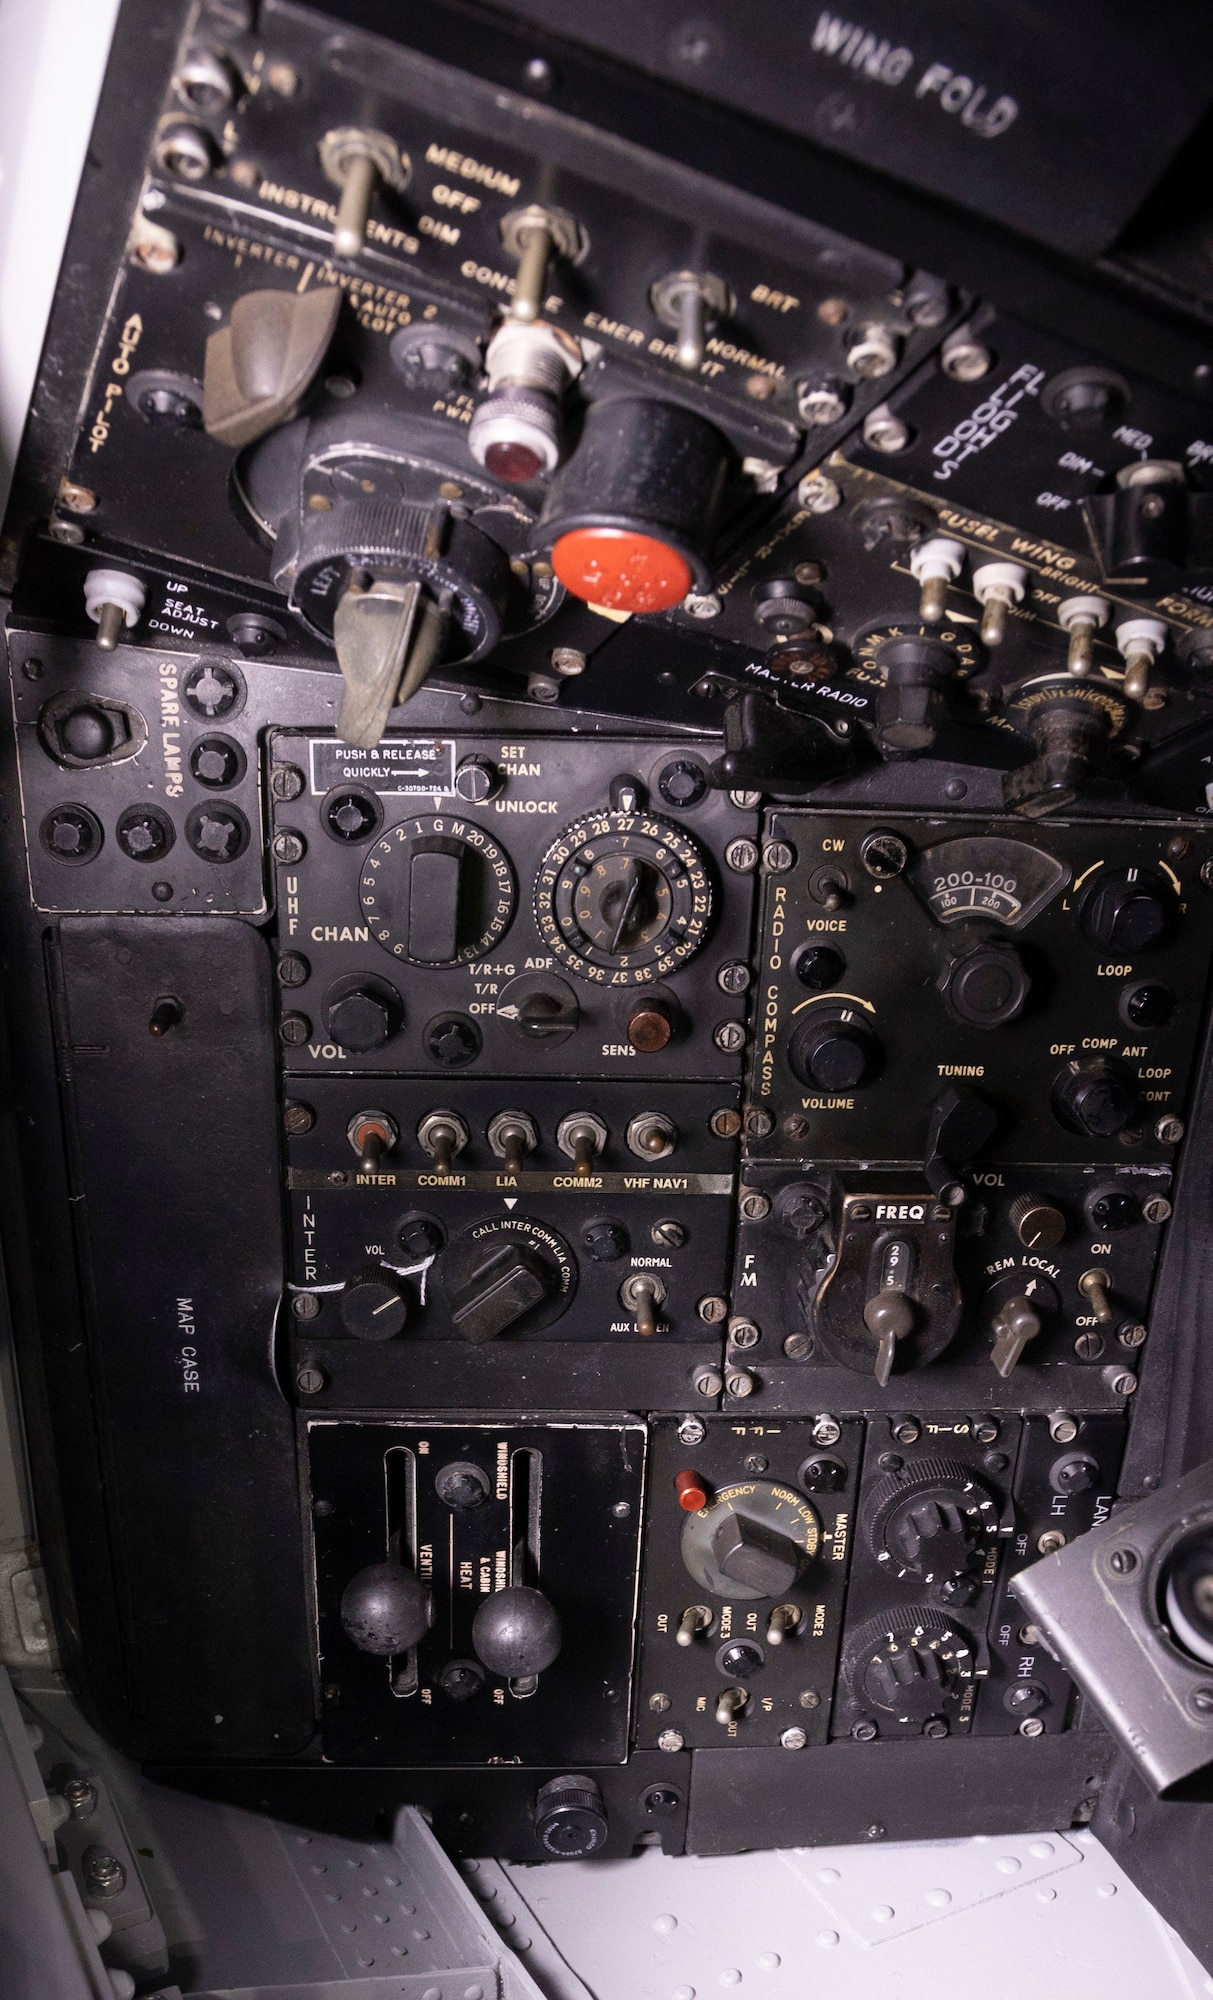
(692, 1494)
(621, 569)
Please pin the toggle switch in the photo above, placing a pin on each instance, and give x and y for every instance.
(114, 602)
(512, 1135)
(534, 235)
(692, 302)
(889, 1313)
(696, 1619)
(1081, 618)
(1096, 1287)
(443, 1135)
(730, 1703)
(1014, 1324)
(1139, 642)
(357, 160)
(651, 1135)
(581, 1135)
(642, 1294)
(997, 586)
(783, 1621)
(935, 564)
(371, 1134)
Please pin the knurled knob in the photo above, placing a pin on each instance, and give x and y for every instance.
(1036, 1222)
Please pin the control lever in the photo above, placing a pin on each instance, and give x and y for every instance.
(884, 1295)
(1014, 1325)
(962, 1122)
(889, 1313)
(388, 635)
(770, 748)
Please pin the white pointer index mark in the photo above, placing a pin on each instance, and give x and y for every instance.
(510, 1200)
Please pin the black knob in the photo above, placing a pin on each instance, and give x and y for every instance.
(605, 1242)
(516, 1632)
(361, 1013)
(570, 1818)
(537, 1007)
(420, 1236)
(373, 1307)
(1127, 910)
(1076, 1472)
(987, 986)
(818, 966)
(753, 1554)
(837, 1053)
(934, 1519)
(500, 1290)
(909, 706)
(739, 1660)
(1095, 1097)
(385, 1609)
(935, 1537)
(682, 783)
(907, 1663)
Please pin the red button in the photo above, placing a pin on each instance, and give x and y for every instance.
(621, 569)
(690, 1490)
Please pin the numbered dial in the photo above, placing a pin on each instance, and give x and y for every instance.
(908, 1664)
(436, 891)
(870, 663)
(753, 1539)
(934, 1520)
(623, 898)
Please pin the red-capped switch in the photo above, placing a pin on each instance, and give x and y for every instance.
(622, 569)
(692, 1494)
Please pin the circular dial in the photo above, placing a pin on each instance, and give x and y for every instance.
(623, 898)
(1128, 910)
(870, 656)
(834, 1050)
(436, 890)
(934, 1521)
(752, 1539)
(905, 1664)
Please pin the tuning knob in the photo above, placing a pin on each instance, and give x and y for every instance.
(834, 1052)
(1095, 1097)
(987, 986)
(1127, 910)
(906, 1664)
(373, 1307)
(385, 1609)
(516, 1632)
(751, 1553)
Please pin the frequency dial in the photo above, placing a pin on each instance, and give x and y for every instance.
(436, 891)
(623, 898)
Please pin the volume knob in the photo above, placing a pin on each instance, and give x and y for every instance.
(836, 1052)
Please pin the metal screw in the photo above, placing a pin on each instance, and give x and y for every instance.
(796, 1126)
(964, 358)
(1063, 1429)
(659, 1703)
(741, 856)
(1120, 1382)
(745, 801)
(725, 1124)
(288, 847)
(566, 660)
(296, 1120)
(819, 495)
(864, 1732)
(1049, 1543)
(691, 1431)
(985, 1430)
(1200, 1701)
(759, 1124)
(809, 1698)
(1168, 1131)
(1028, 1635)
(309, 1381)
(778, 857)
(883, 430)
(826, 1430)
(1122, 1562)
(81, 1797)
(935, 1727)
(542, 687)
(1132, 1334)
(1089, 1346)
(283, 78)
(622, 1510)
(1206, 873)
(794, 1739)
(755, 1462)
(77, 499)
(873, 1832)
(286, 783)
(709, 1382)
(703, 604)
(305, 1305)
(294, 1029)
(744, 1333)
(729, 1037)
(104, 1874)
(1031, 1726)
(1156, 1209)
(906, 1430)
(739, 1384)
(669, 1739)
(753, 1205)
(668, 1234)
(293, 970)
(798, 1346)
(733, 977)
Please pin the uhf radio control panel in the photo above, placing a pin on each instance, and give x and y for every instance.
(608, 898)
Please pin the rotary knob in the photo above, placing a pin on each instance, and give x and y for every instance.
(935, 1521)
(834, 1051)
(436, 890)
(373, 1306)
(750, 1552)
(1095, 1097)
(908, 1664)
(570, 1818)
(987, 986)
(1127, 910)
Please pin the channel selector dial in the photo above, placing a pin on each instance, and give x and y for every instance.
(934, 1521)
(436, 890)
(623, 898)
(909, 1663)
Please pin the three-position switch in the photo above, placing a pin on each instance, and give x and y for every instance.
(114, 600)
(691, 302)
(1080, 618)
(581, 1136)
(358, 160)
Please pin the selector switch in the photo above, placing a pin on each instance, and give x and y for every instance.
(1127, 910)
(1095, 1096)
(749, 1552)
(934, 1521)
(507, 1284)
(834, 1051)
(754, 1539)
(432, 897)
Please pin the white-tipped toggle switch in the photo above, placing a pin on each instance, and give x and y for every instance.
(114, 601)
(1139, 642)
(1081, 618)
(935, 564)
(997, 586)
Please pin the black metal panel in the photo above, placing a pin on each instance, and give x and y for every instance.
(180, 1237)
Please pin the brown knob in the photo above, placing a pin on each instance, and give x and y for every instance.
(649, 1028)
(1038, 1225)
